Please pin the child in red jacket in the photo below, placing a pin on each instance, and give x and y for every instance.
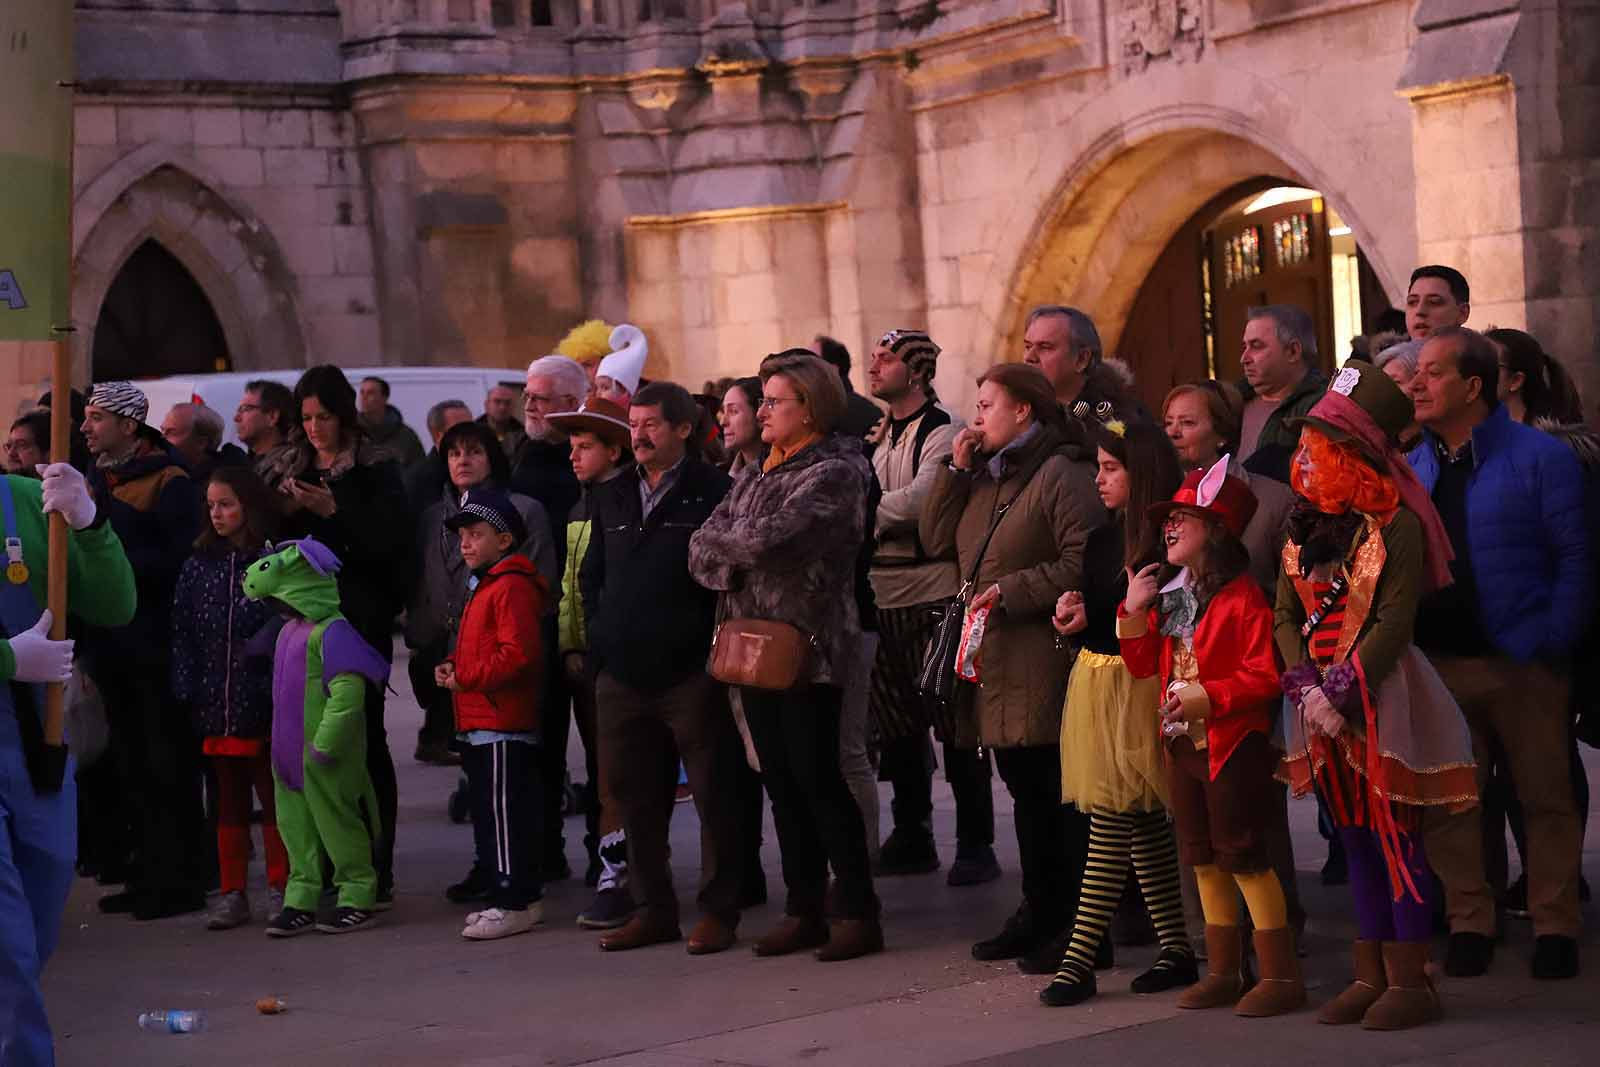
(494, 676)
(1208, 634)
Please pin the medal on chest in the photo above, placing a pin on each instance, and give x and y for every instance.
(16, 570)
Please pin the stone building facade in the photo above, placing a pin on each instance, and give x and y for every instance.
(460, 181)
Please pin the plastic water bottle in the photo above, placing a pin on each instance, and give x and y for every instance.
(172, 1022)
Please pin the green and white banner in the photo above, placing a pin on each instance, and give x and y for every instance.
(35, 167)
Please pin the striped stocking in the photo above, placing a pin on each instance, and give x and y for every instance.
(1104, 874)
(1155, 862)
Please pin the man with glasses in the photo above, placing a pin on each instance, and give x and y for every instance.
(542, 469)
(262, 422)
(26, 447)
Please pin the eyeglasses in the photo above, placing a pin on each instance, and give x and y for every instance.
(245, 409)
(768, 402)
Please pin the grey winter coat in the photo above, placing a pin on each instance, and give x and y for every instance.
(782, 546)
(439, 588)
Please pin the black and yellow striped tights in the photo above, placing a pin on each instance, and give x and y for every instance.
(1114, 838)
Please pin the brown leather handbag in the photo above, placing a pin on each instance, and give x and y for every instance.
(759, 653)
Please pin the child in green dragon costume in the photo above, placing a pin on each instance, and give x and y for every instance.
(320, 669)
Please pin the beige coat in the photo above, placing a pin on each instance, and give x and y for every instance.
(1035, 554)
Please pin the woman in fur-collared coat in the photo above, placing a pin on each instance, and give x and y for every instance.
(782, 547)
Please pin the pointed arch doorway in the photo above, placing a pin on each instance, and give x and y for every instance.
(156, 321)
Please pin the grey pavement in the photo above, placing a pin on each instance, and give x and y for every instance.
(411, 991)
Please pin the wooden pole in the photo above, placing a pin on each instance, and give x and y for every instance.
(56, 593)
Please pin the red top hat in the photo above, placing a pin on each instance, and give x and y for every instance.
(1215, 492)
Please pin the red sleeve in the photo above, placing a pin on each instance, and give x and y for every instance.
(1141, 653)
(1254, 677)
(515, 652)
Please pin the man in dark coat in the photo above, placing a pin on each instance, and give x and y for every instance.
(650, 627)
(154, 506)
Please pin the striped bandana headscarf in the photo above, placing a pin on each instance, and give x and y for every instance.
(916, 349)
(120, 398)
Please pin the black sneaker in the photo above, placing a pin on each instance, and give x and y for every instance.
(348, 920)
(165, 903)
(291, 922)
(1515, 902)
(907, 851)
(474, 887)
(1016, 937)
(122, 903)
(974, 865)
(1469, 955)
(1555, 957)
(611, 908)
(1173, 969)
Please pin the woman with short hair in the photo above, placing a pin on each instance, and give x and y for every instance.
(782, 546)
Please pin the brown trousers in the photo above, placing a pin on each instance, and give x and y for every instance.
(1223, 820)
(1525, 706)
(635, 728)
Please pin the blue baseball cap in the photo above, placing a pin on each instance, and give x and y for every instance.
(493, 506)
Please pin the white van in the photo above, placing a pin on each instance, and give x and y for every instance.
(413, 390)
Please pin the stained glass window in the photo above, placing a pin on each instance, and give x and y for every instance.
(1291, 240)
(1241, 257)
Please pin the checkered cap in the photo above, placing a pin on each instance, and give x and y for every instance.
(120, 398)
(916, 349)
(493, 506)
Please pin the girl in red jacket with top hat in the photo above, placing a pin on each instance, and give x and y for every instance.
(1207, 633)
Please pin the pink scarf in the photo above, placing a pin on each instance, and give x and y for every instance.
(1345, 414)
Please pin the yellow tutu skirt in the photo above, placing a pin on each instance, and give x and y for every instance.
(1111, 738)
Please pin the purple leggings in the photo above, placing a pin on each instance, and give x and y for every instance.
(1380, 917)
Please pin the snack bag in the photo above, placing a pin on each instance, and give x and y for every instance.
(972, 627)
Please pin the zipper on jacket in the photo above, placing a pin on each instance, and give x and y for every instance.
(227, 671)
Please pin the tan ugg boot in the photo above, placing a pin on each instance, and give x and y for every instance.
(1410, 999)
(1224, 981)
(1280, 989)
(1351, 1005)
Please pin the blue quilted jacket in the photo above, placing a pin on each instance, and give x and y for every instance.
(1528, 535)
(227, 691)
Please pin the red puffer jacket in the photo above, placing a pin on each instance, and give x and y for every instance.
(498, 655)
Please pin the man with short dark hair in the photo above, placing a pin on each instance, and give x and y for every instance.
(263, 420)
(861, 414)
(1502, 635)
(650, 627)
(1437, 299)
(384, 424)
(1064, 343)
(425, 479)
(1281, 380)
(28, 444)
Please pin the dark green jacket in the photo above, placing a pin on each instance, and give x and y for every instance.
(1297, 403)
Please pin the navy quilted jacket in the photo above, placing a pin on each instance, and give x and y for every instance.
(1527, 525)
(212, 621)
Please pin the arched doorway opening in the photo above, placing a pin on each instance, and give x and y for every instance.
(1262, 241)
(156, 321)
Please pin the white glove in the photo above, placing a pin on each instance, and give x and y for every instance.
(65, 491)
(1320, 713)
(40, 659)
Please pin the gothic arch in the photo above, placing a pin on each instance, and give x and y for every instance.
(1116, 178)
(155, 194)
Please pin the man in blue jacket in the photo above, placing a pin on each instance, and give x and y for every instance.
(1502, 636)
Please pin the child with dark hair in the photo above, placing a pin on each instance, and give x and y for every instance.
(1207, 634)
(228, 692)
(1111, 764)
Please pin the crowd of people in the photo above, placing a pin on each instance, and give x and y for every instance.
(1152, 626)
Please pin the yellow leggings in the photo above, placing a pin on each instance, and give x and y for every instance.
(1263, 895)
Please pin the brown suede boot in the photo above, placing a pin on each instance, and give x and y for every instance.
(1280, 989)
(1410, 999)
(1224, 981)
(793, 934)
(851, 938)
(1351, 1005)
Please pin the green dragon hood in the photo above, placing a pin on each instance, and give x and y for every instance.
(301, 576)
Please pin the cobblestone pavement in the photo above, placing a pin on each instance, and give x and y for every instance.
(411, 991)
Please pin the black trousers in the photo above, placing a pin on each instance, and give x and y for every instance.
(907, 764)
(159, 766)
(380, 766)
(796, 734)
(438, 711)
(555, 726)
(503, 789)
(1052, 837)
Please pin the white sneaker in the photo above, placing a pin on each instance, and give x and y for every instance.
(493, 923)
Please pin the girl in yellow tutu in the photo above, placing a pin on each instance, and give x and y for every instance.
(1111, 762)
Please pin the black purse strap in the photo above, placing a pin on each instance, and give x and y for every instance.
(994, 524)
